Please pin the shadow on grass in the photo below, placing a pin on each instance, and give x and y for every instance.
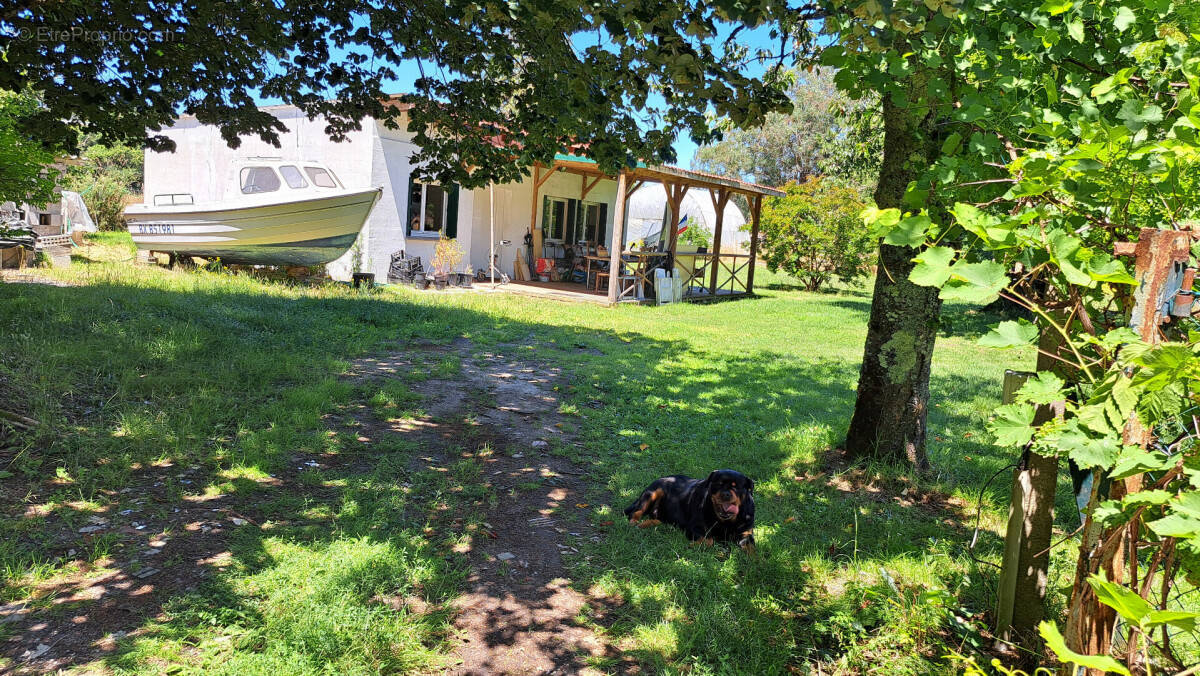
(192, 407)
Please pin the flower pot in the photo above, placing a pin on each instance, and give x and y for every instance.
(439, 282)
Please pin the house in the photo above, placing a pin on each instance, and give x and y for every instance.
(569, 208)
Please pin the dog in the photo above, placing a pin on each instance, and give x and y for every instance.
(719, 508)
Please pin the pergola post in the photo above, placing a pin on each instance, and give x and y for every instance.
(675, 193)
(618, 239)
(720, 198)
(755, 212)
(538, 181)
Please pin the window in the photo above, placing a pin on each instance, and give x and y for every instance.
(432, 208)
(595, 223)
(320, 177)
(293, 176)
(258, 180)
(570, 221)
(554, 218)
(44, 219)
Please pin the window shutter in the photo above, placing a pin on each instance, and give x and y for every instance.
(602, 226)
(545, 217)
(569, 233)
(414, 206)
(452, 212)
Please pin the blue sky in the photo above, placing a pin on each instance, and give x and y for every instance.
(756, 39)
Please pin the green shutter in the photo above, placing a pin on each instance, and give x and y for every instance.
(545, 218)
(413, 209)
(569, 233)
(452, 212)
(602, 226)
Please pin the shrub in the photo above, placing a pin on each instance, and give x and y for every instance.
(105, 177)
(814, 233)
(695, 235)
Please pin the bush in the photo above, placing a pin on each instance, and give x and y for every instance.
(105, 177)
(814, 233)
(695, 235)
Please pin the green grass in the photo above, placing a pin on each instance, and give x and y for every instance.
(139, 367)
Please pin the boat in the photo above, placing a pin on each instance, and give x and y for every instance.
(283, 212)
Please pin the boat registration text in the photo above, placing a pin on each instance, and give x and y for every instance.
(152, 228)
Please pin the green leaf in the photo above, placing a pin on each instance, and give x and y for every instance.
(1176, 525)
(1127, 604)
(1104, 268)
(933, 266)
(1065, 249)
(1137, 114)
(880, 221)
(909, 231)
(1075, 29)
(1092, 416)
(1124, 18)
(952, 143)
(1010, 334)
(1179, 619)
(1012, 425)
(1055, 7)
(1045, 388)
(975, 282)
(1056, 642)
(1088, 452)
(1136, 460)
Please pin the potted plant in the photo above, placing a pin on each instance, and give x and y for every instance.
(446, 256)
(466, 277)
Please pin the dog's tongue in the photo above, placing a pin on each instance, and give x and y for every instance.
(730, 510)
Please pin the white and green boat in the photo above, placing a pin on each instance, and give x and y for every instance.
(283, 213)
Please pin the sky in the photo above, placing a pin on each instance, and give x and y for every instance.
(685, 148)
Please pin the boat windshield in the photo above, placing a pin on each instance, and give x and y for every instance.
(259, 180)
(293, 176)
(320, 177)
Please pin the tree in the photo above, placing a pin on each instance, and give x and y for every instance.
(25, 175)
(503, 84)
(826, 134)
(815, 233)
(1080, 131)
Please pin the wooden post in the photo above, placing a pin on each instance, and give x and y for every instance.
(1024, 571)
(755, 212)
(720, 198)
(538, 181)
(618, 239)
(1090, 624)
(675, 193)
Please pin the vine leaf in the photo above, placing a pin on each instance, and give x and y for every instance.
(1056, 642)
(1010, 334)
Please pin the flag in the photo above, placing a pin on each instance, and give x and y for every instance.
(682, 226)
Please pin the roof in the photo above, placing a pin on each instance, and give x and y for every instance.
(664, 172)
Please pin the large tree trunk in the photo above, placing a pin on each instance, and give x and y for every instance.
(893, 385)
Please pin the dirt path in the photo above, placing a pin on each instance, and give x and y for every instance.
(519, 614)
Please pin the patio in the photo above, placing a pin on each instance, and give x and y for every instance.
(703, 275)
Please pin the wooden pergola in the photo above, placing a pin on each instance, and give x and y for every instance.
(677, 182)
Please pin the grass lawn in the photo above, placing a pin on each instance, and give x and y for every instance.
(203, 387)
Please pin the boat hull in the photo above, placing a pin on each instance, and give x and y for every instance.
(304, 232)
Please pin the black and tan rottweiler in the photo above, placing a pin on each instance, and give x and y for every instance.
(720, 507)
